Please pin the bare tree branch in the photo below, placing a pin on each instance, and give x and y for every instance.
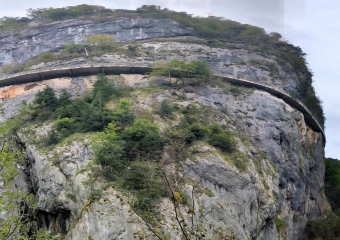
(175, 205)
(144, 220)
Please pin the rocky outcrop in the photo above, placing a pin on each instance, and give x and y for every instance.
(233, 62)
(50, 37)
(276, 177)
(283, 177)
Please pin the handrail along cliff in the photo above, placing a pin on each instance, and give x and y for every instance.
(90, 69)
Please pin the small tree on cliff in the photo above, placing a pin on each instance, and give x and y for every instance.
(179, 69)
(101, 43)
(47, 99)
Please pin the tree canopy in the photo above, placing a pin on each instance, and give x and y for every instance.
(180, 69)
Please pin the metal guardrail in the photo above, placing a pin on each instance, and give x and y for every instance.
(109, 68)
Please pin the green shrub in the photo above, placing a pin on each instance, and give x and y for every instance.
(166, 110)
(86, 114)
(236, 91)
(53, 138)
(122, 115)
(72, 110)
(146, 181)
(142, 140)
(190, 109)
(332, 182)
(47, 99)
(329, 227)
(109, 154)
(190, 119)
(73, 49)
(280, 224)
(223, 141)
(64, 126)
(13, 22)
(101, 43)
(93, 119)
(64, 99)
(103, 89)
(200, 131)
(44, 115)
(215, 128)
(326, 229)
(46, 57)
(12, 67)
(179, 137)
(180, 69)
(57, 14)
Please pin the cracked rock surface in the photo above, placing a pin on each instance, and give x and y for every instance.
(284, 175)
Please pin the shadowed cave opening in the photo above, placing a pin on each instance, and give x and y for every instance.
(56, 222)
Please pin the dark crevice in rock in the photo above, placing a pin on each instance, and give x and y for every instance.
(56, 222)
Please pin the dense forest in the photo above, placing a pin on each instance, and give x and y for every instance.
(218, 32)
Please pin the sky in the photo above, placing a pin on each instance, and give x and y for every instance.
(313, 25)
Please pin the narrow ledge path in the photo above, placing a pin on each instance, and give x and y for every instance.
(92, 69)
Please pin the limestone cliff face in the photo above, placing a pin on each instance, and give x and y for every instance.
(233, 62)
(282, 155)
(29, 43)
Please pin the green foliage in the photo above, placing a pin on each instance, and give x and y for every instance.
(329, 227)
(64, 126)
(223, 141)
(93, 119)
(102, 91)
(180, 69)
(332, 182)
(166, 110)
(214, 134)
(128, 149)
(280, 224)
(200, 131)
(216, 32)
(12, 67)
(179, 137)
(46, 99)
(64, 99)
(46, 57)
(146, 181)
(57, 14)
(83, 114)
(13, 22)
(73, 49)
(101, 43)
(109, 153)
(215, 128)
(326, 229)
(142, 140)
(306, 94)
(122, 115)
